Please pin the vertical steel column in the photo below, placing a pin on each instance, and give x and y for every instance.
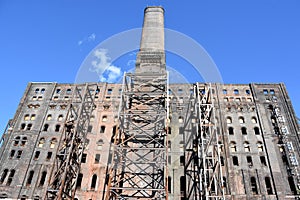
(67, 163)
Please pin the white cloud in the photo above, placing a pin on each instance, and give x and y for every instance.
(89, 38)
(104, 68)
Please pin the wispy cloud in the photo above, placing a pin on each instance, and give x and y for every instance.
(89, 38)
(104, 68)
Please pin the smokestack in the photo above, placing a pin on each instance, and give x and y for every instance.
(151, 57)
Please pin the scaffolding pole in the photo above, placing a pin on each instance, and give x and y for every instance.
(139, 165)
(66, 169)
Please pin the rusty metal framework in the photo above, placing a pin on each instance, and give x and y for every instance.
(139, 166)
(204, 179)
(67, 163)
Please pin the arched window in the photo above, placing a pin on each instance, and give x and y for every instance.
(3, 176)
(53, 142)
(104, 118)
(100, 144)
(268, 185)
(241, 120)
(57, 127)
(24, 140)
(232, 146)
(169, 130)
(12, 153)
(229, 120)
(235, 161)
(244, 130)
(32, 118)
(23, 126)
(102, 129)
(79, 181)
(60, 118)
(260, 147)
(29, 126)
(41, 142)
(49, 117)
(254, 120)
(114, 131)
(230, 131)
(26, 117)
(17, 140)
(94, 182)
(42, 90)
(253, 185)
(236, 91)
(37, 90)
(43, 178)
(256, 130)
(46, 126)
(29, 179)
(180, 119)
(246, 146)
(10, 177)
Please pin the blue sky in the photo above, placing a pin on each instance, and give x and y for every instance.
(249, 41)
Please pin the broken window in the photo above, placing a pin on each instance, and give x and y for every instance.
(241, 120)
(235, 161)
(229, 120)
(57, 127)
(43, 178)
(46, 126)
(232, 146)
(97, 158)
(230, 131)
(29, 179)
(102, 129)
(249, 161)
(246, 146)
(94, 181)
(79, 181)
(256, 130)
(10, 177)
(60, 118)
(253, 185)
(260, 147)
(36, 155)
(53, 142)
(41, 142)
(3, 176)
(244, 130)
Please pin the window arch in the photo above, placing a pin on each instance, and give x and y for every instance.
(233, 146)
(180, 119)
(241, 120)
(100, 144)
(229, 120)
(23, 126)
(256, 130)
(41, 142)
(60, 117)
(46, 126)
(26, 117)
(49, 117)
(79, 181)
(246, 146)
(104, 118)
(32, 118)
(57, 127)
(29, 126)
(23, 141)
(12, 153)
(253, 185)
(10, 177)
(236, 91)
(254, 120)
(94, 182)
(53, 142)
(102, 129)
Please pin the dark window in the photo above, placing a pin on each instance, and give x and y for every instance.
(19, 154)
(235, 161)
(29, 126)
(17, 139)
(37, 90)
(49, 155)
(3, 176)
(24, 140)
(109, 91)
(12, 153)
(224, 91)
(236, 91)
(222, 160)
(29, 179)
(256, 130)
(253, 185)
(97, 158)
(114, 130)
(58, 91)
(263, 160)
(169, 159)
(230, 130)
(181, 130)
(10, 177)
(90, 128)
(181, 160)
(43, 178)
(83, 158)
(57, 127)
(102, 129)
(249, 161)
(36, 155)
(169, 184)
(42, 90)
(272, 92)
(247, 91)
(23, 126)
(94, 181)
(79, 180)
(268, 185)
(265, 91)
(182, 187)
(244, 131)
(69, 91)
(46, 126)
(169, 130)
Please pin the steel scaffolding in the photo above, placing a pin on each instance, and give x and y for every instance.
(139, 166)
(66, 169)
(203, 166)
